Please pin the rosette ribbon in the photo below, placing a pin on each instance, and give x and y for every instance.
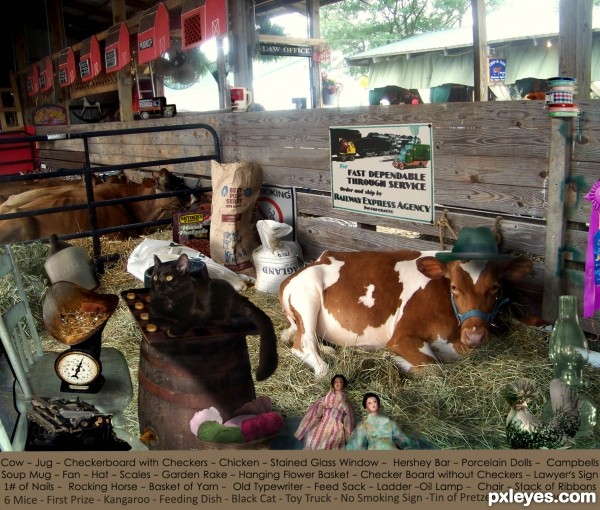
(591, 291)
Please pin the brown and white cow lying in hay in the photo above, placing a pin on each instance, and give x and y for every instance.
(424, 307)
(73, 221)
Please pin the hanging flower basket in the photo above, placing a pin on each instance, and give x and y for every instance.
(330, 89)
(328, 97)
(321, 53)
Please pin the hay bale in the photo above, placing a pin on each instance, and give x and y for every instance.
(455, 406)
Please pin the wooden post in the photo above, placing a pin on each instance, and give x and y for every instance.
(241, 40)
(480, 57)
(21, 62)
(556, 221)
(314, 31)
(56, 36)
(575, 43)
(124, 80)
(224, 95)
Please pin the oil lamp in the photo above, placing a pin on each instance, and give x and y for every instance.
(568, 350)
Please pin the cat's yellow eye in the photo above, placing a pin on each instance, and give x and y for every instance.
(169, 278)
(155, 277)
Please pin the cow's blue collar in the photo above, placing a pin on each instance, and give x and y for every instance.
(488, 317)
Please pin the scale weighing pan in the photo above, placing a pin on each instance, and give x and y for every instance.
(73, 314)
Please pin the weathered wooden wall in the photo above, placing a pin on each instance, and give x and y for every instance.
(491, 165)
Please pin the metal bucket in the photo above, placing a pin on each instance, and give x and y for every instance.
(185, 375)
(71, 264)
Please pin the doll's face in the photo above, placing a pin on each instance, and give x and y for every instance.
(338, 384)
(372, 405)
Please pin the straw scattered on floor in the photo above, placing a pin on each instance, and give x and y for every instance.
(454, 406)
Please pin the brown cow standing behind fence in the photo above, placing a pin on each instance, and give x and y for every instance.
(74, 221)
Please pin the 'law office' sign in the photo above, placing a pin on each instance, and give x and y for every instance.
(286, 50)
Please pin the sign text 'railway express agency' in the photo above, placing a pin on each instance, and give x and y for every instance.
(383, 170)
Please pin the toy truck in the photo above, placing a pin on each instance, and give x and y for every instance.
(347, 150)
(156, 107)
(412, 156)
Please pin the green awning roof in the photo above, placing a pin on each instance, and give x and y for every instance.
(431, 70)
(437, 58)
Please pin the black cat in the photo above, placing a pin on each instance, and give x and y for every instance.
(180, 302)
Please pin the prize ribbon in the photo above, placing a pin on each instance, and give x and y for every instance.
(591, 291)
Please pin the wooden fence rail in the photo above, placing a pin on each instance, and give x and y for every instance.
(87, 170)
(496, 164)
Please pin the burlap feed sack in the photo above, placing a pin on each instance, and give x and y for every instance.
(236, 187)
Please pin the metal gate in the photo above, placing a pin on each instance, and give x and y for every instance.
(87, 172)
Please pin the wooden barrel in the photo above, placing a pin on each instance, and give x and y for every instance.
(184, 375)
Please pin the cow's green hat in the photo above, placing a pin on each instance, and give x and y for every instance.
(473, 244)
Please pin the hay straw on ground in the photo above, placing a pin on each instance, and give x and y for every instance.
(455, 406)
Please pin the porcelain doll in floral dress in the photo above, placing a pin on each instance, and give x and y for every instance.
(329, 421)
(378, 432)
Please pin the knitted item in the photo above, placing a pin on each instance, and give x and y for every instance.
(217, 433)
(210, 414)
(261, 426)
(259, 405)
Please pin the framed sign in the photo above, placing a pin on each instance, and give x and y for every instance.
(278, 203)
(286, 50)
(497, 69)
(383, 170)
(49, 115)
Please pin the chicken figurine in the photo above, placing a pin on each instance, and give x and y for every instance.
(526, 431)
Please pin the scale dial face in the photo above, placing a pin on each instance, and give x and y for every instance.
(77, 367)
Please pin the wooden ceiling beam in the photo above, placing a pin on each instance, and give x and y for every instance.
(284, 39)
(89, 9)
